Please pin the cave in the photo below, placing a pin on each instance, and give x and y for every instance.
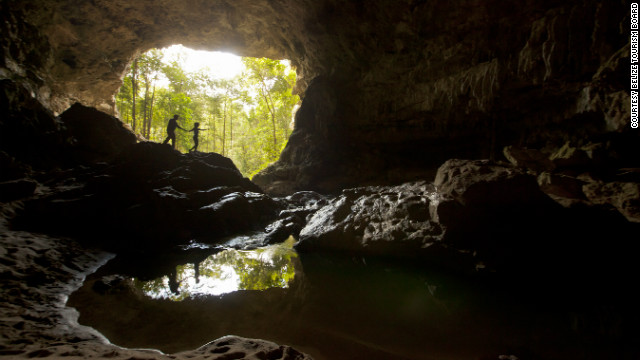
(462, 182)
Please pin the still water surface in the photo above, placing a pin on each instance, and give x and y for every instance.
(342, 307)
(224, 272)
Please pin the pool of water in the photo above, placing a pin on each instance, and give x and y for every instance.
(342, 307)
(223, 272)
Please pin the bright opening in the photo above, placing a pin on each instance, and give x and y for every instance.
(243, 107)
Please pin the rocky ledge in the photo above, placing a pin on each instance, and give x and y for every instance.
(480, 215)
(39, 272)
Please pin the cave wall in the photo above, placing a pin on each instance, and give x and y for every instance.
(390, 89)
(429, 81)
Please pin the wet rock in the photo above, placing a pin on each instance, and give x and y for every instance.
(37, 323)
(306, 200)
(483, 203)
(281, 229)
(482, 183)
(234, 213)
(385, 221)
(298, 209)
(499, 212)
(477, 213)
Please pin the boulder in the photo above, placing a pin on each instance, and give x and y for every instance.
(622, 196)
(494, 210)
(525, 158)
(151, 197)
(95, 135)
(565, 189)
(300, 206)
(382, 221)
(486, 184)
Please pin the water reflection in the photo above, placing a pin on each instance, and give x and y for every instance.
(227, 271)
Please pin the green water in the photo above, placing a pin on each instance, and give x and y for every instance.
(344, 307)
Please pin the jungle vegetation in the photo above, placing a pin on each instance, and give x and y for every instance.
(247, 118)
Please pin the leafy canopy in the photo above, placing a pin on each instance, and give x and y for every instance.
(247, 117)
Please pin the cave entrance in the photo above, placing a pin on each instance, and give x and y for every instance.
(244, 106)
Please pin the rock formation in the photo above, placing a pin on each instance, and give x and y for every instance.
(391, 89)
(478, 136)
(40, 272)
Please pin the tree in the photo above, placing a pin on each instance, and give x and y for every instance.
(134, 91)
(247, 118)
(149, 65)
(274, 100)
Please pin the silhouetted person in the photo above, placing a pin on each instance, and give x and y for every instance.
(171, 131)
(196, 131)
(174, 284)
(196, 267)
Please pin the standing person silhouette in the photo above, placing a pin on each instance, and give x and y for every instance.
(196, 131)
(171, 131)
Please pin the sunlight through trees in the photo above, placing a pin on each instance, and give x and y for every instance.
(246, 115)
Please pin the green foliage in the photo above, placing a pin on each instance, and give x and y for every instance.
(229, 270)
(247, 118)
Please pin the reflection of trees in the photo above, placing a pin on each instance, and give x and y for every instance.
(258, 269)
(272, 267)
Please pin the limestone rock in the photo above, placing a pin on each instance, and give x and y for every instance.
(562, 187)
(404, 85)
(532, 159)
(300, 207)
(623, 196)
(494, 210)
(96, 136)
(241, 348)
(153, 194)
(570, 157)
(482, 183)
(40, 272)
(383, 221)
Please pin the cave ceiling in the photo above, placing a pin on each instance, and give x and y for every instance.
(395, 81)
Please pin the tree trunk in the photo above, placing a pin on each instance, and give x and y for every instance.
(212, 132)
(134, 71)
(269, 102)
(224, 125)
(231, 131)
(153, 96)
(145, 107)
